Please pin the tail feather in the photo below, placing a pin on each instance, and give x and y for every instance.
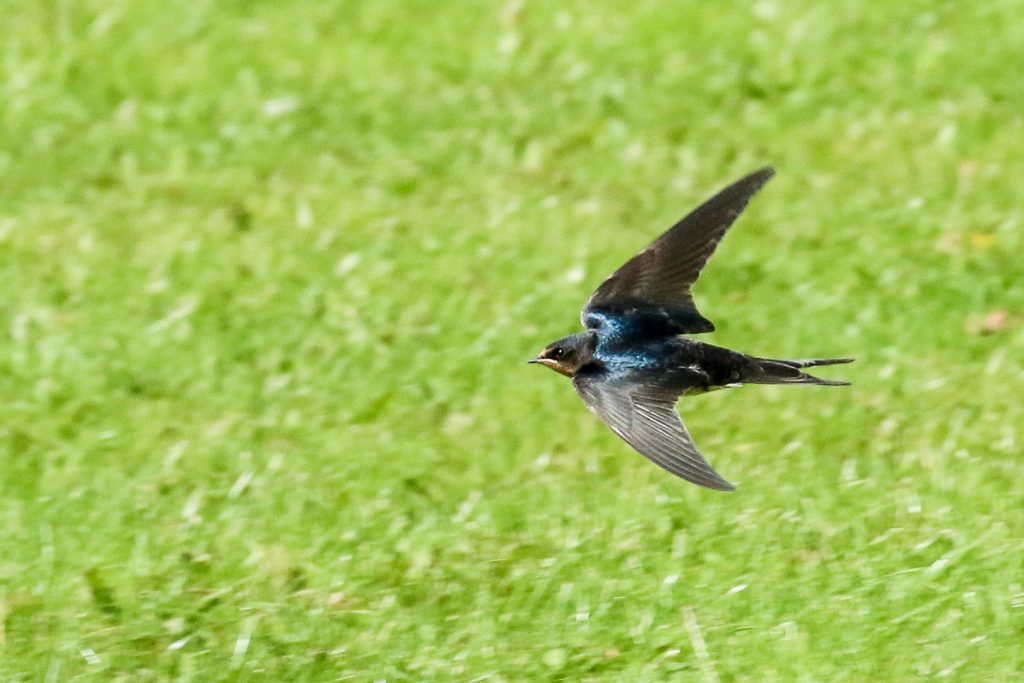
(812, 362)
(769, 371)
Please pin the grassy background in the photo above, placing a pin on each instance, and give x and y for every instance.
(271, 270)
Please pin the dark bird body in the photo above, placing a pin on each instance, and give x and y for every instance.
(632, 363)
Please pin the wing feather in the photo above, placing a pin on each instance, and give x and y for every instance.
(645, 418)
(655, 284)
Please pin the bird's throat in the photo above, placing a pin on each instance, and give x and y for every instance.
(556, 366)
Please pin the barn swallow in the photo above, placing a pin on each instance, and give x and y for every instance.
(633, 363)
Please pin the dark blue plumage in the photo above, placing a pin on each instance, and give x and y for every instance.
(631, 364)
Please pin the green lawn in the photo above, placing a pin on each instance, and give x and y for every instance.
(271, 272)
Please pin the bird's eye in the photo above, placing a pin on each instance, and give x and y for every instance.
(557, 353)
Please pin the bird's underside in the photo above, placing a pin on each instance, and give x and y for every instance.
(638, 403)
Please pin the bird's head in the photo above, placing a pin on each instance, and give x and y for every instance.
(567, 355)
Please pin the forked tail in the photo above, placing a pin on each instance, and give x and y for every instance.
(769, 371)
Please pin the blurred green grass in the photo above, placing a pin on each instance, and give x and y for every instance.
(271, 271)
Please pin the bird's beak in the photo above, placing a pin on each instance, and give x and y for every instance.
(534, 360)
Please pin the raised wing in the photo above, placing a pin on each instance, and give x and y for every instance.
(646, 419)
(654, 286)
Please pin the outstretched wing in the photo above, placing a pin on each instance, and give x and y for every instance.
(654, 286)
(645, 417)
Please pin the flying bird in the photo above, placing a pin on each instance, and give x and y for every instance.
(633, 363)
